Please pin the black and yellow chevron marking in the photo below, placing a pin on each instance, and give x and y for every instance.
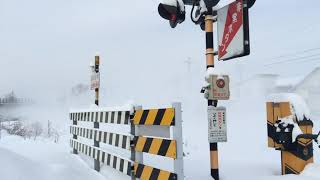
(161, 147)
(144, 172)
(161, 117)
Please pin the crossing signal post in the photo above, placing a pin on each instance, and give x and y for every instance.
(202, 14)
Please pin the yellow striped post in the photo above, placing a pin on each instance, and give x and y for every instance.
(210, 64)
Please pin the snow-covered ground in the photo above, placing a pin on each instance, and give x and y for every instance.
(244, 156)
(41, 160)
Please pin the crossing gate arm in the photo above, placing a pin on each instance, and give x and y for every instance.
(156, 146)
(121, 164)
(113, 117)
(114, 139)
(144, 172)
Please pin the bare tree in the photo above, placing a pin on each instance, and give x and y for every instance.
(36, 129)
(55, 135)
(49, 129)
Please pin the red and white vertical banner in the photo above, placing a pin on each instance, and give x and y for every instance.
(233, 27)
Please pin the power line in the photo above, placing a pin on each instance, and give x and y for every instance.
(303, 58)
(294, 54)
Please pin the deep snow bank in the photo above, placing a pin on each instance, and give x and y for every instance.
(16, 167)
(41, 160)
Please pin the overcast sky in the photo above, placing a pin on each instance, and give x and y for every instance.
(46, 46)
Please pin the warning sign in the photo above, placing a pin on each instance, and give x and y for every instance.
(219, 87)
(95, 81)
(217, 124)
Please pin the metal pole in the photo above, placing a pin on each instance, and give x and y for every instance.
(177, 135)
(133, 154)
(96, 101)
(210, 64)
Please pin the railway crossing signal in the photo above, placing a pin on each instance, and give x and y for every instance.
(202, 14)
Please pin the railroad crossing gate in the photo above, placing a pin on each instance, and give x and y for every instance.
(295, 154)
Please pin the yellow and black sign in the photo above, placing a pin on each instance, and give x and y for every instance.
(161, 117)
(161, 147)
(144, 172)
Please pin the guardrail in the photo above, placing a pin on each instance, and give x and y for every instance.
(153, 131)
(14, 101)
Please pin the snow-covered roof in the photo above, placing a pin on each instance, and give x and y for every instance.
(289, 81)
(294, 82)
(313, 72)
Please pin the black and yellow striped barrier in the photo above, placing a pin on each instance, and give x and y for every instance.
(160, 117)
(156, 146)
(118, 163)
(144, 172)
(114, 139)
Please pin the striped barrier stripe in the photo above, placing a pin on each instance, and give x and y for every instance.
(114, 117)
(115, 162)
(114, 139)
(144, 172)
(162, 117)
(161, 147)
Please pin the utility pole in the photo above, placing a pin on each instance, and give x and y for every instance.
(188, 62)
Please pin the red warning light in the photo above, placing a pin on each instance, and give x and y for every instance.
(220, 83)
